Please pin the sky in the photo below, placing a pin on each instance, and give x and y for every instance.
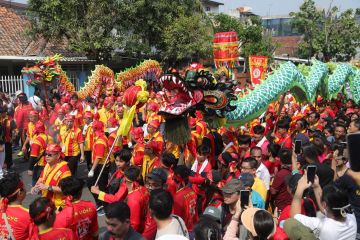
(283, 7)
(276, 7)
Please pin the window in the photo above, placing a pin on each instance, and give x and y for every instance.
(207, 9)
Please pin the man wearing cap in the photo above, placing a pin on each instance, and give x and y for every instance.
(21, 115)
(231, 193)
(106, 112)
(99, 153)
(156, 179)
(72, 143)
(248, 181)
(88, 136)
(137, 135)
(151, 158)
(153, 134)
(54, 170)
(37, 151)
(33, 119)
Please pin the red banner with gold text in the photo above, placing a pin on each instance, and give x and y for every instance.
(258, 66)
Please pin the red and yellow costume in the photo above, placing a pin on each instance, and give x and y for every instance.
(51, 176)
(57, 234)
(138, 200)
(70, 141)
(38, 147)
(185, 206)
(79, 216)
(19, 220)
(138, 152)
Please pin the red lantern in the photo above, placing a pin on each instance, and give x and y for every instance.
(226, 51)
(130, 96)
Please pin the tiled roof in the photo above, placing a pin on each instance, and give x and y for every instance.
(14, 42)
(12, 33)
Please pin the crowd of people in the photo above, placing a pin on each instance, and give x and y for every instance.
(247, 182)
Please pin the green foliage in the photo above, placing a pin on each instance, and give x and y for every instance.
(87, 25)
(329, 32)
(188, 37)
(252, 36)
(98, 27)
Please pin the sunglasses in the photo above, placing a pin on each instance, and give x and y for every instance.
(50, 154)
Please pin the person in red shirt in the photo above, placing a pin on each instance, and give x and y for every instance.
(37, 151)
(137, 135)
(185, 198)
(155, 180)
(272, 162)
(137, 198)
(116, 189)
(100, 151)
(42, 212)
(278, 190)
(228, 166)
(21, 115)
(202, 163)
(282, 137)
(13, 193)
(78, 215)
(259, 139)
(151, 157)
(244, 146)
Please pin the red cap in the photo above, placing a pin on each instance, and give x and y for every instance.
(154, 123)
(88, 114)
(98, 126)
(154, 146)
(39, 127)
(34, 113)
(112, 122)
(53, 148)
(153, 106)
(137, 133)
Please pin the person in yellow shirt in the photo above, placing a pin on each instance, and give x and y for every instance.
(88, 136)
(33, 119)
(59, 125)
(249, 165)
(107, 112)
(37, 151)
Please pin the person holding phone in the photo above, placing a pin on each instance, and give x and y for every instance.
(336, 223)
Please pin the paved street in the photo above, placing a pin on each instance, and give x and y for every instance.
(21, 167)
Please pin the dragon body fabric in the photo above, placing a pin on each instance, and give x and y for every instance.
(304, 82)
(103, 80)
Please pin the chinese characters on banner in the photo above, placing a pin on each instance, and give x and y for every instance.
(258, 66)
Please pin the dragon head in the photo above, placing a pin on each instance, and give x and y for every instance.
(198, 90)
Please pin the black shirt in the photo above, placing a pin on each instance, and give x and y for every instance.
(131, 235)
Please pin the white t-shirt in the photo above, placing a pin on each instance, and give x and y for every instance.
(173, 228)
(329, 229)
(263, 173)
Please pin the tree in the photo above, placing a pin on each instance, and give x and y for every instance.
(188, 37)
(87, 25)
(98, 27)
(252, 36)
(327, 34)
